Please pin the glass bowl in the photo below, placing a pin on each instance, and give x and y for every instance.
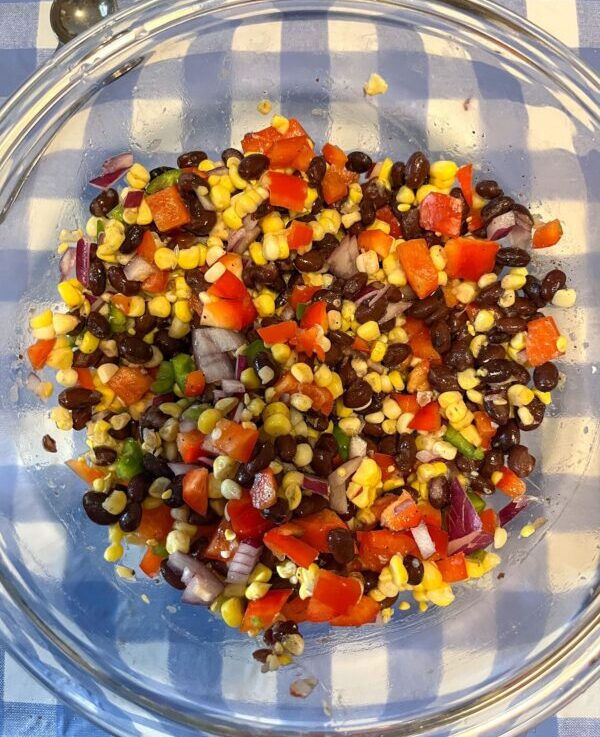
(467, 81)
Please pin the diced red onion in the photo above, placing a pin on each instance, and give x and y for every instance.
(179, 469)
(187, 426)
(178, 561)
(287, 313)
(338, 480)
(82, 261)
(357, 447)
(138, 269)
(216, 366)
(118, 162)
(520, 235)
(232, 386)
(243, 562)
(241, 363)
(342, 260)
(239, 240)
(465, 528)
(67, 263)
(133, 198)
(476, 540)
(32, 382)
(374, 366)
(104, 181)
(203, 589)
(423, 539)
(393, 310)
(204, 200)
(425, 456)
(316, 485)
(364, 294)
(208, 341)
(501, 225)
(162, 398)
(209, 447)
(239, 411)
(205, 460)
(507, 513)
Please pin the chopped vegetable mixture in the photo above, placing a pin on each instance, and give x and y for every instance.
(303, 377)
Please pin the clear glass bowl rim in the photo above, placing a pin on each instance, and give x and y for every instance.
(526, 697)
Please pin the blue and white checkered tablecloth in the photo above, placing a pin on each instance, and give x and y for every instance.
(26, 41)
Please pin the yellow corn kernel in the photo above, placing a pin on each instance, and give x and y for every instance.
(467, 379)
(322, 376)
(89, 343)
(256, 253)
(405, 196)
(445, 399)
(471, 434)
(43, 320)
(513, 281)
(182, 311)
(378, 351)
(423, 191)
(71, 295)
(250, 379)
(350, 425)
(144, 214)
(256, 590)
(220, 197)
(487, 280)
(562, 344)
(375, 85)
(368, 473)
(330, 220)
(189, 258)
(484, 321)
(369, 331)
(232, 612)
(159, 306)
(465, 292)
(277, 424)
(398, 572)
(302, 372)
(280, 123)
(438, 257)
(520, 395)
(427, 471)
(113, 553)
(265, 305)
(137, 177)
(208, 419)
(272, 223)
(396, 380)
(231, 219)
(443, 170)
(260, 574)
(301, 402)
(432, 578)
(236, 179)
(355, 193)
(478, 568)
(165, 258)
(380, 225)
(442, 596)
(281, 352)
(456, 411)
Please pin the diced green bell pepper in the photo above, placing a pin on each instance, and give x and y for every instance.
(162, 181)
(130, 461)
(117, 213)
(182, 366)
(252, 350)
(343, 442)
(165, 377)
(462, 445)
(117, 319)
(476, 501)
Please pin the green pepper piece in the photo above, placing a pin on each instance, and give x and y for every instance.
(130, 461)
(343, 442)
(300, 310)
(476, 501)
(192, 413)
(162, 181)
(462, 445)
(477, 555)
(182, 366)
(117, 213)
(117, 319)
(99, 227)
(165, 377)
(160, 550)
(252, 350)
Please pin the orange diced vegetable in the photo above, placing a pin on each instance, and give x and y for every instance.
(401, 514)
(298, 235)
(156, 523)
(547, 235)
(540, 343)
(150, 563)
(169, 211)
(286, 190)
(453, 568)
(38, 353)
(375, 240)
(260, 614)
(417, 264)
(130, 384)
(364, 611)
(469, 258)
(195, 490)
(334, 155)
(147, 247)
(85, 472)
(280, 332)
(427, 418)
(234, 440)
(510, 484)
(465, 179)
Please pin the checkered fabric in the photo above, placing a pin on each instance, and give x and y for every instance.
(26, 41)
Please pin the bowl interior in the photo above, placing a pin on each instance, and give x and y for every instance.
(457, 89)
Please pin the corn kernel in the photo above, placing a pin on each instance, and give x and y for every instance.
(396, 380)
(405, 196)
(302, 372)
(484, 321)
(189, 258)
(303, 455)
(443, 170)
(378, 351)
(367, 262)
(301, 402)
(369, 330)
(467, 379)
(398, 571)
(165, 258)
(137, 176)
(368, 473)
(265, 305)
(428, 471)
(423, 191)
(471, 435)
(444, 450)
(113, 553)
(89, 343)
(513, 281)
(445, 399)
(260, 574)
(432, 578)
(71, 296)
(232, 612)
(220, 196)
(277, 424)
(208, 419)
(442, 596)
(159, 306)
(520, 395)
(256, 253)
(561, 344)
(375, 85)
(465, 292)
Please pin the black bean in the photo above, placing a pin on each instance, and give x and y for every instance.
(157, 466)
(551, 283)
(322, 461)
(489, 295)
(157, 171)
(545, 377)
(414, 568)
(490, 353)
(537, 410)
(423, 308)
(442, 379)
(86, 360)
(375, 191)
(261, 654)
(130, 519)
(316, 170)
(354, 285)
(190, 159)
(262, 455)
(522, 307)
(252, 166)
(358, 394)
(371, 310)
(310, 505)
(121, 434)
(266, 368)
(406, 452)
(121, 284)
(169, 575)
(49, 443)
(512, 257)
(229, 153)
(495, 207)
(133, 238)
(189, 182)
(397, 173)
(175, 500)
(278, 631)
(359, 162)
(411, 227)
(482, 485)
(489, 189)
(98, 325)
(372, 430)
(440, 314)
(459, 357)
(144, 323)
(520, 461)
(92, 505)
(497, 407)
(507, 436)
(367, 212)
(499, 371)
(103, 203)
(416, 170)
(105, 455)
(137, 488)
(96, 277)
(497, 336)
(134, 349)
(396, 354)
(341, 544)
(440, 337)
(522, 210)
(334, 355)
(202, 222)
(493, 461)
(76, 396)
(285, 447)
(153, 418)
(309, 262)
(533, 289)
(439, 492)
(511, 325)
(467, 465)
(167, 345)
(387, 445)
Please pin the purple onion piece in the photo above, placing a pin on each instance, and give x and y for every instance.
(181, 468)
(133, 198)
(476, 540)
(464, 525)
(316, 485)
(512, 509)
(501, 226)
(243, 562)
(241, 363)
(82, 261)
(232, 386)
(342, 260)
(338, 481)
(203, 588)
(118, 162)
(104, 181)
(67, 262)
(138, 269)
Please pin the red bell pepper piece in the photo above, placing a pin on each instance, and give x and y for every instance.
(231, 314)
(315, 314)
(260, 614)
(130, 384)
(246, 521)
(360, 344)
(147, 247)
(485, 429)
(322, 398)
(316, 611)
(430, 515)
(302, 294)
(388, 468)
(465, 179)
(220, 548)
(441, 213)
(510, 484)
(195, 490)
(150, 563)
(547, 235)
(417, 264)
(364, 611)
(540, 343)
(85, 378)
(375, 240)
(155, 524)
(281, 332)
(286, 190)
(228, 286)
(316, 527)
(156, 282)
(290, 152)
(234, 440)
(307, 341)
(376, 547)
(195, 383)
(299, 235)
(453, 568)
(264, 489)
(260, 141)
(295, 609)
(38, 353)
(440, 540)
(287, 384)
(189, 445)
(339, 593)
(475, 221)
(279, 543)
(470, 258)
(232, 262)
(334, 184)
(401, 514)
(85, 472)
(407, 402)
(422, 347)
(489, 519)
(427, 418)
(386, 214)
(334, 155)
(169, 211)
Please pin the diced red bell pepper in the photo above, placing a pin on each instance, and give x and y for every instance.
(364, 611)
(453, 568)
(465, 179)
(422, 347)
(510, 484)
(38, 353)
(440, 540)
(417, 264)
(130, 384)
(315, 314)
(85, 378)
(375, 240)
(316, 527)
(246, 521)
(402, 514)
(334, 155)
(260, 614)
(427, 418)
(360, 344)
(489, 519)
(232, 262)
(195, 383)
(485, 429)
(386, 214)
(228, 286)
(407, 402)
(286, 190)
(413, 326)
(475, 221)
(547, 235)
(291, 152)
(441, 213)
(260, 141)
(264, 489)
(308, 342)
(220, 548)
(322, 398)
(150, 563)
(376, 547)
(280, 332)
(295, 609)
(339, 593)
(299, 235)
(470, 258)
(234, 440)
(387, 465)
(155, 524)
(231, 314)
(189, 445)
(430, 515)
(300, 552)
(302, 294)
(169, 211)
(147, 247)
(316, 611)
(156, 282)
(195, 490)
(540, 342)
(334, 185)
(287, 384)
